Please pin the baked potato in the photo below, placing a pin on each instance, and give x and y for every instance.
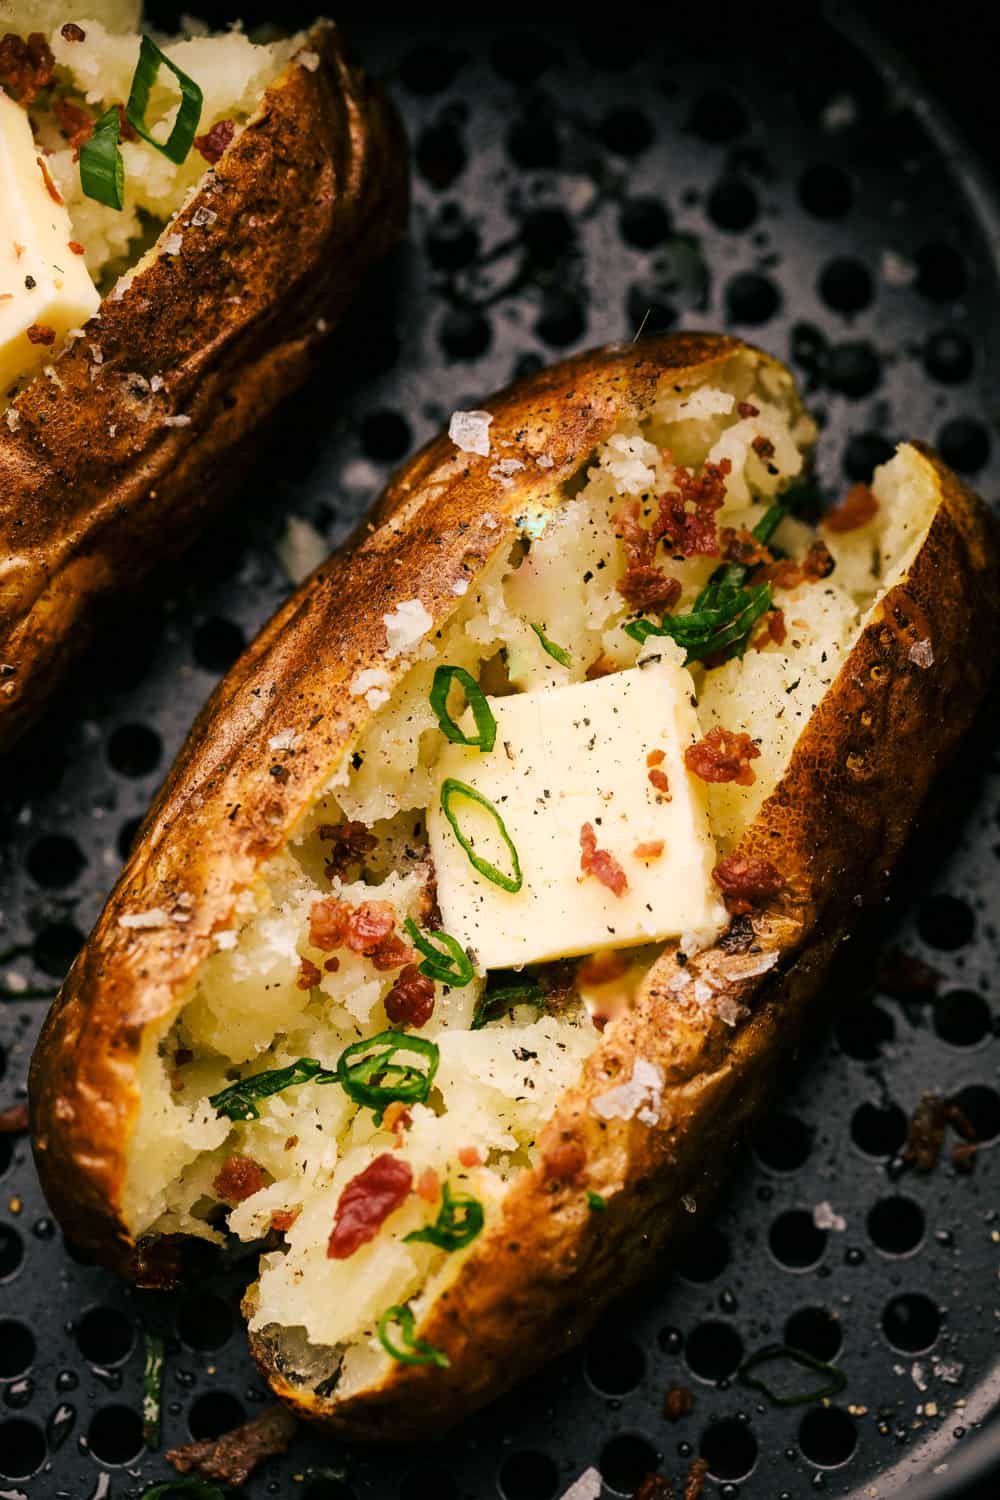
(221, 275)
(459, 1010)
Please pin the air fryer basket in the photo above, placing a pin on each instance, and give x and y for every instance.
(574, 185)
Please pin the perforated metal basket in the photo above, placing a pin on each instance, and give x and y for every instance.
(575, 184)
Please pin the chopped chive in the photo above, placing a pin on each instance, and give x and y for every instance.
(237, 1101)
(836, 1379)
(152, 1389)
(558, 653)
(185, 127)
(486, 725)
(102, 170)
(450, 789)
(414, 1351)
(453, 966)
(369, 1074)
(492, 1003)
(596, 1203)
(722, 618)
(459, 1220)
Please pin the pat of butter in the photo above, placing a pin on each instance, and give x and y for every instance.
(564, 757)
(44, 285)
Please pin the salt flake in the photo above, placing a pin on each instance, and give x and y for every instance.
(172, 244)
(154, 917)
(825, 1218)
(638, 1099)
(13, 418)
(921, 653)
(407, 624)
(179, 421)
(285, 739)
(460, 586)
(470, 431)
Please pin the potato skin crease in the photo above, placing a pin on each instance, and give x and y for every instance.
(94, 489)
(536, 1282)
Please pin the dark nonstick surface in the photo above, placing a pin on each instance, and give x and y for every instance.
(570, 186)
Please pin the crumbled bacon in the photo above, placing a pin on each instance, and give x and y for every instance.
(817, 564)
(737, 544)
(366, 1203)
(76, 123)
(213, 144)
(746, 881)
(41, 333)
(649, 849)
(14, 1119)
(233, 1457)
(76, 247)
(723, 755)
(747, 409)
(774, 630)
(602, 968)
(309, 975)
(283, 1219)
(687, 513)
(599, 1020)
(856, 509)
(366, 929)
(26, 67)
(239, 1178)
(429, 1185)
(71, 32)
(410, 1002)
(678, 1401)
(926, 1132)
(50, 186)
(643, 584)
(654, 1487)
(469, 1156)
(603, 666)
(694, 1485)
(331, 965)
(599, 863)
(351, 842)
(763, 447)
(369, 925)
(392, 953)
(328, 923)
(565, 1162)
(658, 779)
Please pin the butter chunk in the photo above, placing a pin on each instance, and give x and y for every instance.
(564, 757)
(44, 285)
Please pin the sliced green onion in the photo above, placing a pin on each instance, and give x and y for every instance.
(723, 617)
(185, 127)
(558, 653)
(493, 1003)
(486, 724)
(450, 789)
(237, 1101)
(369, 1074)
(413, 1351)
(102, 170)
(171, 1487)
(836, 1379)
(596, 1203)
(452, 966)
(152, 1389)
(459, 1220)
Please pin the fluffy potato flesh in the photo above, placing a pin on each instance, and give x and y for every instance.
(273, 992)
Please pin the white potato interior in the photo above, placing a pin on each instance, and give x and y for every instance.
(496, 1085)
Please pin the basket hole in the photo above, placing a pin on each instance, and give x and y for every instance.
(429, 69)
(105, 1336)
(134, 749)
(863, 454)
(216, 644)
(940, 272)
(845, 285)
(22, 1449)
(644, 223)
(962, 1018)
(11, 1252)
(826, 192)
(427, 1484)
(705, 1255)
(729, 1448)
(115, 1435)
(964, 444)
(562, 320)
(713, 1351)
(878, 1131)
(440, 154)
(452, 242)
(533, 142)
(717, 117)
(204, 1321)
(649, 309)
(732, 204)
(626, 132)
(614, 1365)
(625, 1462)
(796, 1243)
(946, 922)
(55, 948)
(862, 1033)
(17, 1349)
(214, 1413)
(816, 1331)
(752, 299)
(982, 1107)
(783, 1143)
(911, 1322)
(948, 357)
(546, 234)
(853, 368)
(55, 861)
(521, 56)
(464, 333)
(827, 1437)
(386, 435)
(528, 1476)
(896, 1225)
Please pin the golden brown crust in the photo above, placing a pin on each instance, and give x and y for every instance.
(94, 488)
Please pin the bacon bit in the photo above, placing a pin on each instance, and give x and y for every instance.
(565, 1162)
(925, 1133)
(643, 585)
(26, 67)
(309, 975)
(283, 1219)
(213, 144)
(774, 630)
(233, 1457)
(410, 1002)
(817, 564)
(239, 1178)
(763, 447)
(14, 1120)
(654, 1487)
(71, 32)
(332, 965)
(469, 1156)
(856, 509)
(747, 409)
(599, 863)
(723, 755)
(602, 667)
(656, 757)
(599, 1020)
(351, 842)
(745, 882)
(658, 779)
(602, 968)
(368, 925)
(291, 1143)
(41, 333)
(737, 544)
(76, 124)
(328, 923)
(50, 186)
(363, 929)
(678, 1402)
(392, 953)
(694, 1485)
(687, 514)
(366, 1203)
(76, 247)
(126, 129)
(429, 1185)
(651, 849)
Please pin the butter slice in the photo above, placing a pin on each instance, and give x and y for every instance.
(42, 282)
(564, 757)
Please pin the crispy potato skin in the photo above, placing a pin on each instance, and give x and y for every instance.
(536, 1282)
(94, 489)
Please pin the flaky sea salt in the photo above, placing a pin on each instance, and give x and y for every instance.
(587, 1487)
(638, 1099)
(545, 461)
(226, 938)
(825, 1218)
(179, 421)
(301, 548)
(154, 917)
(371, 684)
(470, 431)
(203, 216)
(285, 739)
(172, 244)
(405, 625)
(13, 418)
(921, 653)
(460, 586)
